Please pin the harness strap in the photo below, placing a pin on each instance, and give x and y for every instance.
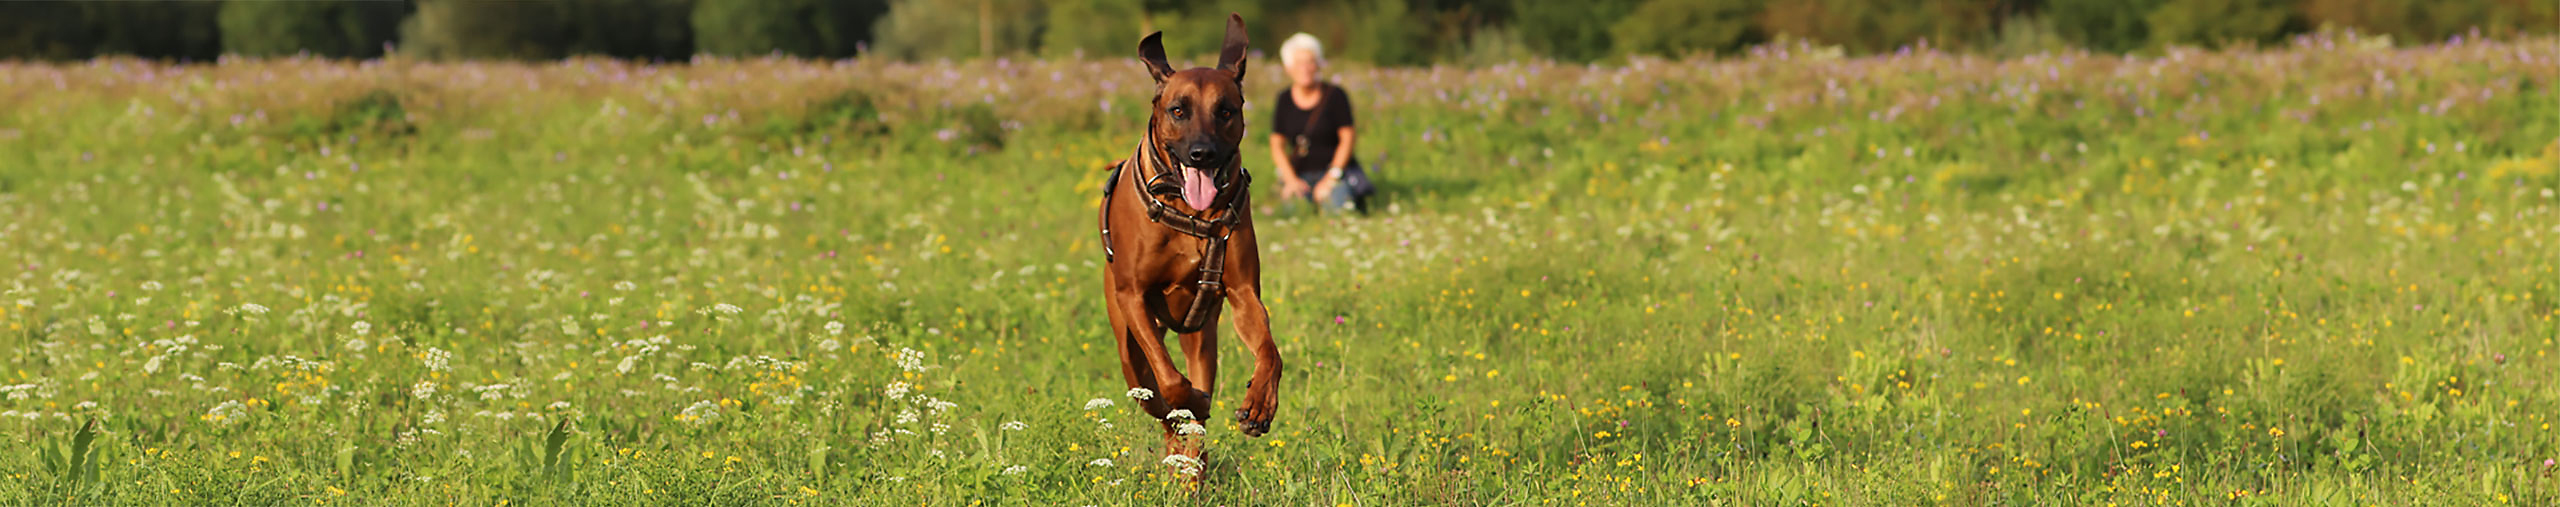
(1212, 284)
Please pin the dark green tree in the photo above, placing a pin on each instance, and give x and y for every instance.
(330, 29)
(1681, 27)
(814, 28)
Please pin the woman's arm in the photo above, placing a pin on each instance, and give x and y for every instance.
(1289, 183)
(1341, 153)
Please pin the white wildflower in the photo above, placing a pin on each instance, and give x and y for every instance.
(437, 359)
(1097, 404)
(1189, 428)
(625, 286)
(1180, 414)
(897, 390)
(357, 345)
(1141, 393)
(910, 359)
(424, 389)
(625, 366)
(1015, 470)
(1099, 462)
(253, 309)
(700, 412)
(361, 328)
(228, 413)
(830, 345)
(835, 328)
(1183, 465)
(1014, 426)
(434, 416)
(726, 309)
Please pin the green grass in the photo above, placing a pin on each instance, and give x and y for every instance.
(2296, 276)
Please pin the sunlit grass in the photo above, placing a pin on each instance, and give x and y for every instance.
(2305, 275)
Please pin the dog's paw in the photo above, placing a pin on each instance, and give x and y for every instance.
(1252, 426)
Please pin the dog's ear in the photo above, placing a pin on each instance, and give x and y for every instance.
(1151, 52)
(1231, 55)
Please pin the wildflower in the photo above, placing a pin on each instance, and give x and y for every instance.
(227, 413)
(1179, 413)
(434, 416)
(1183, 465)
(835, 328)
(357, 345)
(1016, 470)
(625, 286)
(1190, 428)
(1014, 426)
(1141, 393)
(897, 390)
(701, 412)
(725, 309)
(438, 359)
(253, 309)
(1099, 462)
(423, 390)
(830, 345)
(1097, 404)
(910, 359)
(361, 328)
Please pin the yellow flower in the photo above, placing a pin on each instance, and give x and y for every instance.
(2275, 432)
(806, 491)
(1603, 434)
(2138, 444)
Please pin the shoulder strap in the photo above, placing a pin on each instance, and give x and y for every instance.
(1322, 90)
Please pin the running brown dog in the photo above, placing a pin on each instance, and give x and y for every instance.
(1167, 264)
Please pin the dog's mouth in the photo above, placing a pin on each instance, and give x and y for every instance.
(1197, 188)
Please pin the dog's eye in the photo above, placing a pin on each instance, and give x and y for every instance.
(1177, 112)
(1225, 114)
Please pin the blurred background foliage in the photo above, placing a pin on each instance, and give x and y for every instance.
(1382, 32)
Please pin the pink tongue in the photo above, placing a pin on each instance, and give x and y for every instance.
(1196, 190)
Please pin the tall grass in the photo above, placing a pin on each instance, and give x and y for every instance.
(2315, 274)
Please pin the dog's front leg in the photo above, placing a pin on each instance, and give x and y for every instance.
(1262, 392)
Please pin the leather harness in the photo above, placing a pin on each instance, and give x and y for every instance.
(1204, 305)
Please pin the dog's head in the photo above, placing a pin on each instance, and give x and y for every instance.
(1199, 114)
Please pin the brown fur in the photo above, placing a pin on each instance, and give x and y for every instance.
(1157, 267)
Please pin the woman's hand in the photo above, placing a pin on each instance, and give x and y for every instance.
(1325, 186)
(1293, 188)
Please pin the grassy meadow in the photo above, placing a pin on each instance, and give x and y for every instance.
(2315, 274)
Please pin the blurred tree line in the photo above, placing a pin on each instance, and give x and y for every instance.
(1391, 32)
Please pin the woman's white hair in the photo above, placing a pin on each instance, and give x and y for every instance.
(1289, 50)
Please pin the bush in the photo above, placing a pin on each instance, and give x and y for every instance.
(2416, 21)
(1571, 31)
(2215, 23)
(817, 28)
(928, 29)
(1093, 28)
(1883, 25)
(1681, 27)
(2103, 25)
(458, 29)
(329, 29)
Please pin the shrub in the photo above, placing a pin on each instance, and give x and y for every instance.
(330, 29)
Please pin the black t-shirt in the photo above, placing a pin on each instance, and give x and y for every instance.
(1289, 122)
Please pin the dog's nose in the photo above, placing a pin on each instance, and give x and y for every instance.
(1202, 155)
